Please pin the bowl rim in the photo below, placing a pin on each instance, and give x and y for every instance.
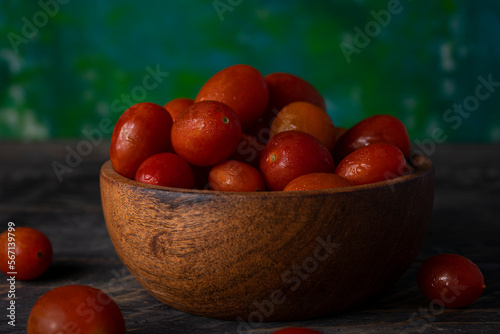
(422, 165)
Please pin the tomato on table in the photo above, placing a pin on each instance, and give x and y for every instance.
(241, 87)
(30, 256)
(166, 169)
(450, 279)
(141, 131)
(373, 163)
(206, 133)
(291, 154)
(233, 175)
(371, 130)
(75, 309)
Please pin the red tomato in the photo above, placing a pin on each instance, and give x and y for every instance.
(450, 279)
(297, 330)
(249, 150)
(166, 169)
(232, 175)
(206, 133)
(242, 88)
(178, 105)
(284, 88)
(141, 131)
(75, 309)
(317, 181)
(24, 251)
(374, 129)
(290, 154)
(373, 163)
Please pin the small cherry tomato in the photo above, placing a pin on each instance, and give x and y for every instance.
(450, 279)
(306, 117)
(371, 130)
(291, 154)
(75, 309)
(241, 87)
(297, 330)
(178, 105)
(248, 150)
(317, 181)
(206, 133)
(26, 252)
(284, 88)
(373, 163)
(166, 169)
(141, 131)
(232, 175)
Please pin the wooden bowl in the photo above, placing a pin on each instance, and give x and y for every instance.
(268, 256)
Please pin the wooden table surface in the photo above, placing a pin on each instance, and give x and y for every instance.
(465, 221)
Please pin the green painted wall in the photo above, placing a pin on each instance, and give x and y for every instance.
(67, 65)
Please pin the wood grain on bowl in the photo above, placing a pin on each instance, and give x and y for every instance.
(268, 256)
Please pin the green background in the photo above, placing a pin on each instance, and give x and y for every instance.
(62, 77)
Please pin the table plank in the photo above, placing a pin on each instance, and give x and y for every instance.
(465, 221)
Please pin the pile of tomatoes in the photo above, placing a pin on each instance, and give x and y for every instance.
(242, 132)
(248, 132)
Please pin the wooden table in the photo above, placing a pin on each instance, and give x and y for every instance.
(465, 221)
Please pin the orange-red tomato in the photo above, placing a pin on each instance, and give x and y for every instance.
(291, 154)
(317, 181)
(178, 105)
(206, 133)
(241, 87)
(373, 163)
(75, 309)
(371, 130)
(306, 117)
(249, 150)
(232, 175)
(284, 88)
(166, 169)
(141, 131)
(24, 251)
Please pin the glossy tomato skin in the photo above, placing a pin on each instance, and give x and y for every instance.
(241, 87)
(232, 175)
(451, 280)
(317, 181)
(75, 309)
(290, 154)
(284, 88)
(371, 130)
(167, 170)
(141, 131)
(373, 163)
(177, 105)
(33, 253)
(306, 117)
(297, 330)
(206, 133)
